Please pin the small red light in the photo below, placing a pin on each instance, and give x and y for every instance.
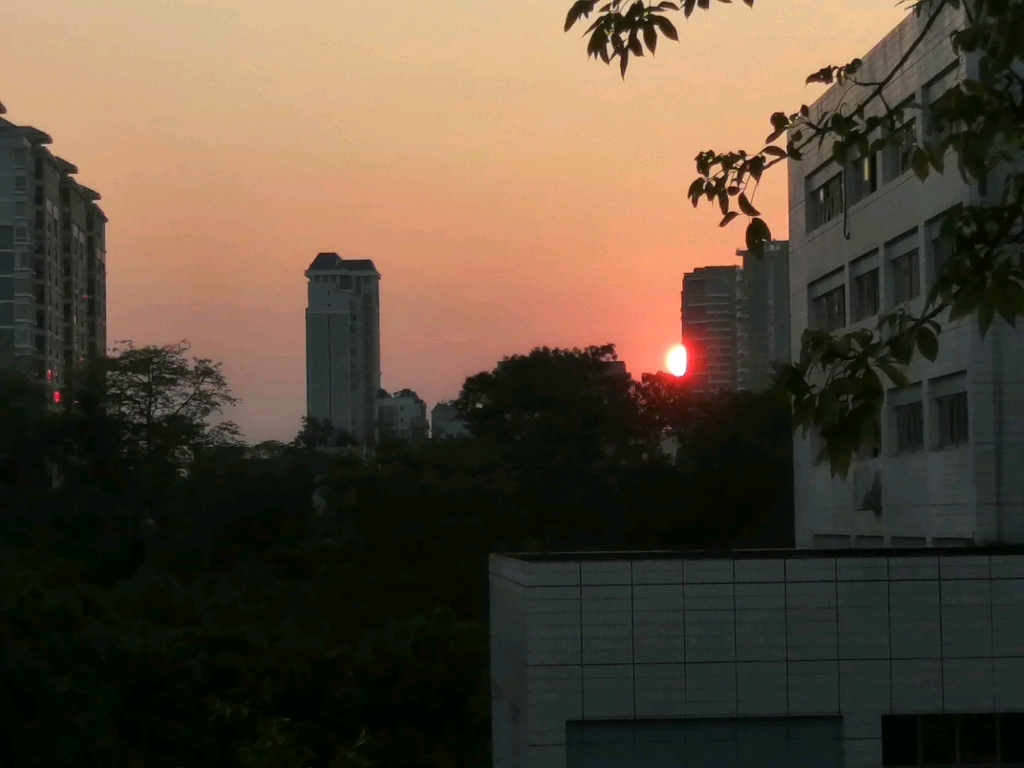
(56, 396)
(49, 375)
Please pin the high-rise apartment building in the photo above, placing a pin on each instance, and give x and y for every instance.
(763, 340)
(52, 261)
(711, 326)
(343, 344)
(864, 239)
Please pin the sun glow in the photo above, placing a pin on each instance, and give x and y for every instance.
(677, 360)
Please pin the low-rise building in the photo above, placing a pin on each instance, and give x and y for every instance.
(841, 658)
(401, 416)
(445, 422)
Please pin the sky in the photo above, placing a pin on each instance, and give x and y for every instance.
(512, 192)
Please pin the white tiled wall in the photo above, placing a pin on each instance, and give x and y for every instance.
(852, 635)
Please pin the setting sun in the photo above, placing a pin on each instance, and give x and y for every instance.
(677, 360)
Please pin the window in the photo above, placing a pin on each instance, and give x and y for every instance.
(828, 311)
(825, 202)
(987, 739)
(897, 158)
(909, 427)
(864, 298)
(952, 419)
(906, 277)
(863, 177)
(941, 246)
(20, 183)
(935, 129)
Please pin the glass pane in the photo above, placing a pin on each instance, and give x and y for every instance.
(977, 739)
(1011, 734)
(899, 740)
(938, 739)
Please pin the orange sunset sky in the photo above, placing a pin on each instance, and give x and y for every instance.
(512, 192)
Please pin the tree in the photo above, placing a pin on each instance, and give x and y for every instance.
(164, 401)
(575, 403)
(321, 433)
(837, 384)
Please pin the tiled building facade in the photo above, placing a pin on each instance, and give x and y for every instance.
(688, 648)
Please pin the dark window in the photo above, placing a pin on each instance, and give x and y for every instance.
(6, 238)
(938, 740)
(906, 277)
(898, 155)
(978, 739)
(825, 202)
(909, 427)
(6, 288)
(6, 263)
(967, 740)
(900, 740)
(863, 177)
(1011, 736)
(828, 311)
(865, 295)
(953, 422)
(942, 249)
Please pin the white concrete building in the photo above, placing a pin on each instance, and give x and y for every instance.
(835, 659)
(445, 423)
(52, 261)
(343, 344)
(401, 416)
(863, 240)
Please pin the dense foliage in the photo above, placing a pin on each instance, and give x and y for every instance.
(836, 385)
(187, 599)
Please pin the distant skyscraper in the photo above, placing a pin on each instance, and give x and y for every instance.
(52, 261)
(343, 344)
(763, 340)
(710, 310)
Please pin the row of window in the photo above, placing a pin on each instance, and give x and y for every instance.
(990, 739)
(868, 173)
(951, 422)
(902, 265)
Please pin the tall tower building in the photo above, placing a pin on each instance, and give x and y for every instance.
(343, 344)
(52, 261)
(710, 306)
(763, 338)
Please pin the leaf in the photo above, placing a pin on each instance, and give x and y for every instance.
(581, 8)
(728, 217)
(696, 190)
(895, 374)
(746, 207)
(723, 202)
(650, 36)
(666, 27)
(927, 343)
(774, 151)
(758, 236)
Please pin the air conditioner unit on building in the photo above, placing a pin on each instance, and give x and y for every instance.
(867, 487)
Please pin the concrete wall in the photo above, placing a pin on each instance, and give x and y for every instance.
(777, 635)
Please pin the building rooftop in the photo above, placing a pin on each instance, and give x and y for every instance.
(332, 262)
(723, 553)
